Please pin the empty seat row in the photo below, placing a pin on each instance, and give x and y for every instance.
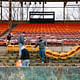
(15, 48)
(63, 55)
(47, 28)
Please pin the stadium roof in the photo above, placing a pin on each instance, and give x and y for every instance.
(42, 0)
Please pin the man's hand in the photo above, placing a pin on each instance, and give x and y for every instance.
(46, 47)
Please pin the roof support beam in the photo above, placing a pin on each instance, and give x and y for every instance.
(65, 2)
(21, 1)
(1, 8)
(43, 0)
(10, 13)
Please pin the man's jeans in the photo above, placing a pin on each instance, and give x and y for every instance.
(42, 54)
(26, 62)
(20, 46)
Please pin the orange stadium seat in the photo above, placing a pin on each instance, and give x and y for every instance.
(3, 27)
(47, 28)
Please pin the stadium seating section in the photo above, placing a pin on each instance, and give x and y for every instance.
(52, 33)
(3, 27)
(47, 28)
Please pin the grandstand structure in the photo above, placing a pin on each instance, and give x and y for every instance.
(58, 24)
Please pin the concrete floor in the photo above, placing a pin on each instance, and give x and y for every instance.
(3, 50)
(35, 60)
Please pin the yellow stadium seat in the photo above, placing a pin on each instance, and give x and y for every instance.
(48, 53)
(55, 55)
(36, 49)
(10, 48)
(77, 49)
(63, 55)
(16, 48)
(29, 48)
(71, 53)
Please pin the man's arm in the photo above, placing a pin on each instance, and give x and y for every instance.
(45, 43)
(18, 40)
(36, 45)
(22, 39)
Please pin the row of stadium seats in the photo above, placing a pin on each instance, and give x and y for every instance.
(49, 53)
(63, 55)
(51, 37)
(49, 41)
(2, 42)
(32, 39)
(15, 48)
(3, 27)
(47, 28)
(49, 32)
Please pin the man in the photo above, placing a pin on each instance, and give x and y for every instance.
(21, 42)
(25, 57)
(8, 39)
(41, 43)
